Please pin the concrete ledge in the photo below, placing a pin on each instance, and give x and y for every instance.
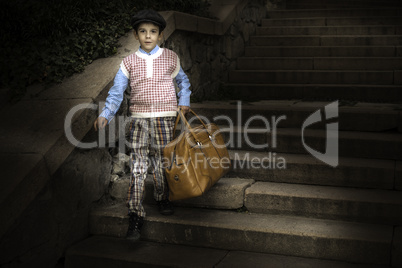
(191, 23)
(224, 11)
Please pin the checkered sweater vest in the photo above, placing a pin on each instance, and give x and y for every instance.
(153, 93)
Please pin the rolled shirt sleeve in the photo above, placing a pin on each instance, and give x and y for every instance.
(184, 85)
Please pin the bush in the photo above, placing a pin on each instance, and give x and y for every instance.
(48, 40)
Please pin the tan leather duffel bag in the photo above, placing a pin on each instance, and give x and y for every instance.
(195, 160)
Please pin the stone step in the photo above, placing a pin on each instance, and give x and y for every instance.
(327, 40)
(274, 234)
(319, 63)
(271, 137)
(351, 144)
(337, 203)
(369, 145)
(357, 77)
(363, 205)
(341, 4)
(333, 21)
(227, 193)
(331, 30)
(321, 51)
(368, 2)
(336, 12)
(107, 252)
(306, 169)
(326, 92)
(250, 166)
(293, 113)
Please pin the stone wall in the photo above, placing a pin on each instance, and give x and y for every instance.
(58, 217)
(208, 59)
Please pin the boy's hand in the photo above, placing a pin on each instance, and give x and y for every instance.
(185, 109)
(100, 123)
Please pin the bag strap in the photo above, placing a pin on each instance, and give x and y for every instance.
(183, 118)
(175, 124)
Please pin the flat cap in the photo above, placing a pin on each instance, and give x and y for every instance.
(148, 15)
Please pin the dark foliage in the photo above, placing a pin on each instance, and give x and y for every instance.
(48, 40)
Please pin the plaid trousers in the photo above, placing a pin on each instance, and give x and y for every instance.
(148, 137)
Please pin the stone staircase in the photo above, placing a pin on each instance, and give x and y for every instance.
(350, 53)
(280, 206)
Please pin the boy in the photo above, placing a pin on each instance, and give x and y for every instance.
(153, 106)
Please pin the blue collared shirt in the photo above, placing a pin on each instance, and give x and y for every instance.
(121, 81)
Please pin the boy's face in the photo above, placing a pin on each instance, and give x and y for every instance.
(148, 35)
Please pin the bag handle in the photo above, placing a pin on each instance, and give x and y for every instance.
(183, 118)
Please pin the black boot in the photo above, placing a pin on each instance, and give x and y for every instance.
(135, 223)
(165, 207)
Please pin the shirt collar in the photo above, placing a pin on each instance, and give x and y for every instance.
(150, 53)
